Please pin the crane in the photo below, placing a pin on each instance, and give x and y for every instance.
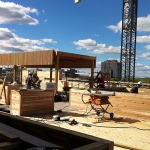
(128, 40)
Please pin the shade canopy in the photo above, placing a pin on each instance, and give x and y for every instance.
(47, 59)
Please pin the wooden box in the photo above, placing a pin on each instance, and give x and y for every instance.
(31, 102)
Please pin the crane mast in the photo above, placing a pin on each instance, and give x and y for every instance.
(128, 40)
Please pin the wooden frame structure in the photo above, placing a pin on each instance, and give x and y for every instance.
(48, 59)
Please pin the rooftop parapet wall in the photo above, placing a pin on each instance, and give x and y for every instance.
(136, 106)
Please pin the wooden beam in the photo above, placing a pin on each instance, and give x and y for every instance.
(39, 66)
(76, 56)
(76, 64)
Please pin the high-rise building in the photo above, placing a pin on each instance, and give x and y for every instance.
(112, 67)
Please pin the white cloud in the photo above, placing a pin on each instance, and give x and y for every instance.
(118, 59)
(141, 70)
(96, 48)
(143, 24)
(14, 13)
(10, 42)
(147, 47)
(146, 55)
(143, 39)
(49, 41)
(116, 28)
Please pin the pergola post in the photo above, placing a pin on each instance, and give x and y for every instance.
(15, 73)
(51, 74)
(21, 75)
(56, 71)
(92, 75)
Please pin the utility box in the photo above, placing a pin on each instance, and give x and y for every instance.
(48, 86)
(77, 1)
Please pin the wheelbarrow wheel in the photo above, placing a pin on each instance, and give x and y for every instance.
(111, 115)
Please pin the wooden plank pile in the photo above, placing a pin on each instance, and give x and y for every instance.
(124, 104)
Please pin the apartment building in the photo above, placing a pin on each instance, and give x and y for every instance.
(112, 67)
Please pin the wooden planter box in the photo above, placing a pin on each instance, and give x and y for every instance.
(31, 102)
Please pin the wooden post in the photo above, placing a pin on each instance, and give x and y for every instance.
(60, 74)
(56, 72)
(92, 75)
(15, 73)
(21, 75)
(51, 74)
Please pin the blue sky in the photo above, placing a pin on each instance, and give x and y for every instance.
(91, 27)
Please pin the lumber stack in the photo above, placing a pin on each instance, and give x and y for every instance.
(31, 102)
(124, 104)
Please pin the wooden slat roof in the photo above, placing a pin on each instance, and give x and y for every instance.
(47, 58)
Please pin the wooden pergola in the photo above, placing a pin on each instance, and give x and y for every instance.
(48, 59)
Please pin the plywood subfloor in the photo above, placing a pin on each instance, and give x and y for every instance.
(126, 133)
